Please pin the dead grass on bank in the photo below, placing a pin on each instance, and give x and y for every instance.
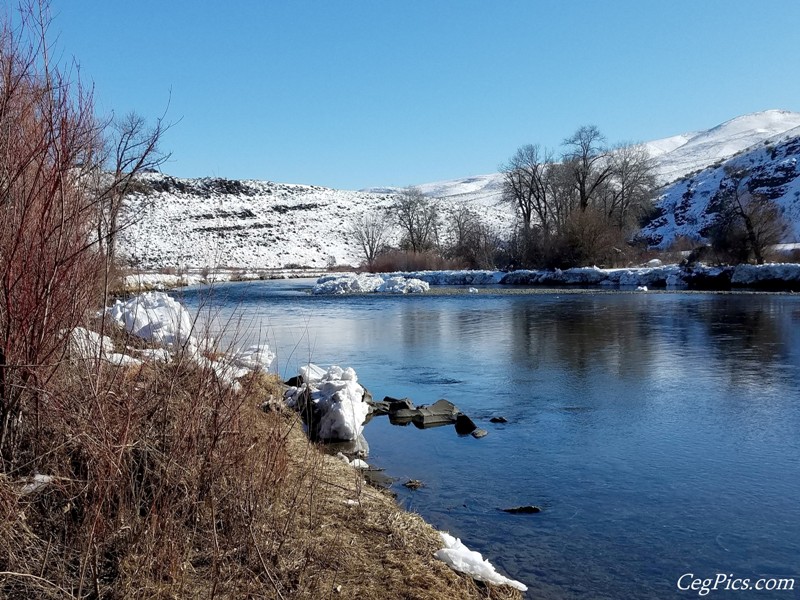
(168, 485)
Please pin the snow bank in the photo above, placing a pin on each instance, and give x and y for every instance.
(163, 321)
(336, 398)
(87, 344)
(463, 277)
(754, 275)
(157, 318)
(366, 283)
(461, 558)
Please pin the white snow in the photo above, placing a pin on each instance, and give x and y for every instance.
(253, 358)
(464, 560)
(162, 320)
(36, 483)
(88, 344)
(337, 397)
(688, 206)
(155, 317)
(748, 275)
(366, 283)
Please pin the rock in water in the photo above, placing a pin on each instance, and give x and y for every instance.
(522, 509)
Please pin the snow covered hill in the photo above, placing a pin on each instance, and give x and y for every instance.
(256, 225)
(251, 225)
(690, 206)
(674, 156)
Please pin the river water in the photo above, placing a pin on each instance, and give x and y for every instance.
(659, 432)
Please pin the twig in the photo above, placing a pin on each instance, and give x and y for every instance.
(38, 579)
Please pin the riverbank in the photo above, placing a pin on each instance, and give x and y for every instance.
(698, 277)
(159, 465)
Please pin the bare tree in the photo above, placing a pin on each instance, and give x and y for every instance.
(470, 239)
(587, 159)
(51, 151)
(747, 223)
(630, 185)
(526, 188)
(372, 231)
(418, 218)
(131, 148)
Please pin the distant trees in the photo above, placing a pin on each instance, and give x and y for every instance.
(628, 192)
(371, 231)
(470, 240)
(747, 224)
(586, 161)
(526, 186)
(418, 219)
(580, 208)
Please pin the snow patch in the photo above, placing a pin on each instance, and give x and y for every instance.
(337, 399)
(464, 560)
(365, 283)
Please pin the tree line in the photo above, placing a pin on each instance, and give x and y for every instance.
(584, 205)
(575, 208)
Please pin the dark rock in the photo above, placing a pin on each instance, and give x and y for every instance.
(464, 425)
(498, 420)
(295, 381)
(479, 433)
(401, 411)
(377, 478)
(396, 404)
(522, 510)
(414, 484)
(379, 409)
(442, 412)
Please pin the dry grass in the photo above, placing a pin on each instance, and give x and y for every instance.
(168, 485)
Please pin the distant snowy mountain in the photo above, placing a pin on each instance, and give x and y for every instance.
(255, 225)
(674, 156)
(689, 207)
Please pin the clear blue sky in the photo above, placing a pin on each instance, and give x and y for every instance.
(352, 94)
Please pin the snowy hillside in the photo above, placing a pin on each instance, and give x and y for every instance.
(251, 225)
(261, 225)
(703, 149)
(674, 156)
(689, 206)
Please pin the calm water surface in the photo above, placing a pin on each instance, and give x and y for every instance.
(660, 432)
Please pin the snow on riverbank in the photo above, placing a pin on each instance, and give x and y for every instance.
(164, 322)
(336, 398)
(664, 276)
(461, 558)
(366, 283)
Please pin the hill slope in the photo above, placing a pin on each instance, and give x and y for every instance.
(690, 206)
(260, 224)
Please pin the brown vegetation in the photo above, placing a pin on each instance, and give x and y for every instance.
(156, 480)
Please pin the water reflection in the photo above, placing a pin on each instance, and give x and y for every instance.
(658, 431)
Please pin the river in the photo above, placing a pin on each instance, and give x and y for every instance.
(659, 432)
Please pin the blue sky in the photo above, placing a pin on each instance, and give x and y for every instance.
(352, 94)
